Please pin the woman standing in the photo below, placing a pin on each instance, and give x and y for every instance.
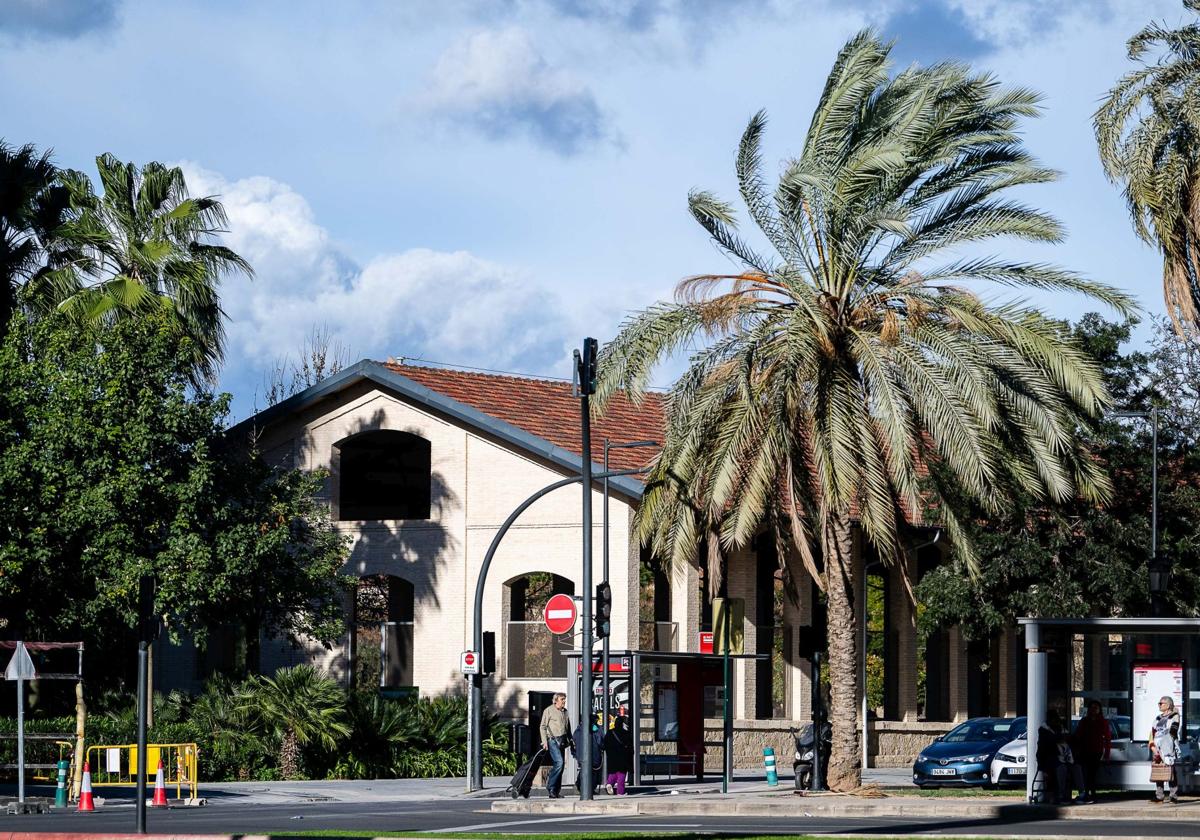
(1164, 747)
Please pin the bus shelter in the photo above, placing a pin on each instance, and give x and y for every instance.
(668, 695)
(1126, 664)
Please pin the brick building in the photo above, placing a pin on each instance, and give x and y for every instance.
(426, 463)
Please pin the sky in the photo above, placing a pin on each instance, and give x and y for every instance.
(486, 182)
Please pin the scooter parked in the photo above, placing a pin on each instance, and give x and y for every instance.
(802, 762)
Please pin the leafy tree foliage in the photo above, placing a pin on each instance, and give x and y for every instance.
(33, 204)
(143, 246)
(1148, 131)
(837, 365)
(113, 468)
(1081, 559)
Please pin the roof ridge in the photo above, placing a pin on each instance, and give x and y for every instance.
(400, 367)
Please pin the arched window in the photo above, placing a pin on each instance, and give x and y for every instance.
(531, 650)
(383, 475)
(384, 610)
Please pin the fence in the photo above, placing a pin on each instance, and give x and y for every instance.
(42, 753)
(116, 765)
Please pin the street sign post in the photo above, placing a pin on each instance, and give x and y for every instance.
(469, 663)
(20, 668)
(560, 614)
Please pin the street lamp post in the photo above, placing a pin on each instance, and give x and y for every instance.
(1159, 572)
(608, 447)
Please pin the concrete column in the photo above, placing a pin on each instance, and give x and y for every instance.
(743, 583)
(1036, 662)
(795, 616)
(958, 675)
(685, 606)
(902, 621)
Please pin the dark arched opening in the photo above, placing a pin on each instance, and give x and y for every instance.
(383, 474)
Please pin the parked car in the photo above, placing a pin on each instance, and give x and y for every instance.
(1008, 765)
(963, 756)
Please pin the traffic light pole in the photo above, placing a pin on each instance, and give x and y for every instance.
(604, 685)
(587, 367)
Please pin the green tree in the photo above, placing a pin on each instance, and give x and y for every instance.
(297, 706)
(113, 468)
(1079, 559)
(1148, 132)
(835, 371)
(32, 208)
(144, 246)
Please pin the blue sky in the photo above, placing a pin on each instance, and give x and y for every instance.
(484, 182)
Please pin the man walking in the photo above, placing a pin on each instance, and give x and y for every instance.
(555, 729)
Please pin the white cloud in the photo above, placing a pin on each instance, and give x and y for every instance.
(498, 83)
(446, 306)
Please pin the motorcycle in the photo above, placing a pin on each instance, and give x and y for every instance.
(802, 762)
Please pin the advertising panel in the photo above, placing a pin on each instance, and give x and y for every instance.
(1150, 682)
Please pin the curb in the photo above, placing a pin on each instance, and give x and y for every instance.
(91, 835)
(845, 806)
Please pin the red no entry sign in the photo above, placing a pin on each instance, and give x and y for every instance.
(560, 614)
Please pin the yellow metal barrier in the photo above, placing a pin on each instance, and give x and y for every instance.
(116, 765)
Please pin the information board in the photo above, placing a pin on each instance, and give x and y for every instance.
(1150, 682)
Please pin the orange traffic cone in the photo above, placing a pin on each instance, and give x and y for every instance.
(160, 789)
(85, 791)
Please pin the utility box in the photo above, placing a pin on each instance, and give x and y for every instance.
(732, 610)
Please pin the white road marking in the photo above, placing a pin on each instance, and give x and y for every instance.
(489, 826)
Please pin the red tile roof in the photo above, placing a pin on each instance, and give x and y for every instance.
(546, 408)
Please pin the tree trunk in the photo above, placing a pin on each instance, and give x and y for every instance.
(289, 756)
(845, 764)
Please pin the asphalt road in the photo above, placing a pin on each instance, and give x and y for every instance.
(472, 815)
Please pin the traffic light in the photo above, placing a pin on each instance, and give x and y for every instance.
(488, 654)
(603, 608)
(587, 366)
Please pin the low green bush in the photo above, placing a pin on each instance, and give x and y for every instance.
(409, 738)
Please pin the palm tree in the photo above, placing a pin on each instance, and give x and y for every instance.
(298, 705)
(852, 376)
(146, 245)
(32, 207)
(1148, 132)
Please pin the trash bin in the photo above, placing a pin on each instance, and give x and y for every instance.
(518, 741)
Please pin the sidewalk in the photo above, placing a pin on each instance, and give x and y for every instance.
(756, 798)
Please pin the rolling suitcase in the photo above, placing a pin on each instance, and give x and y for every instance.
(522, 780)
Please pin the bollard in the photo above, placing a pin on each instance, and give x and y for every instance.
(60, 795)
(769, 762)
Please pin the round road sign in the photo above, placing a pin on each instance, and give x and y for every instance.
(560, 614)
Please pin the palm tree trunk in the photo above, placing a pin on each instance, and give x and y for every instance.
(845, 768)
(289, 756)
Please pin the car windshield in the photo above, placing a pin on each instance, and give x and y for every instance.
(985, 729)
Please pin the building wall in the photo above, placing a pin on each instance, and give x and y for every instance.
(477, 482)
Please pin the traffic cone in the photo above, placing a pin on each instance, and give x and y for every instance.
(85, 791)
(160, 789)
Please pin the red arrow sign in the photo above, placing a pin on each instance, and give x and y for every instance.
(560, 614)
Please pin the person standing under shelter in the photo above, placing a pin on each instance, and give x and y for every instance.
(1093, 743)
(618, 752)
(555, 731)
(1164, 748)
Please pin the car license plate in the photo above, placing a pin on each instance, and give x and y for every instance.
(943, 771)
(1016, 771)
